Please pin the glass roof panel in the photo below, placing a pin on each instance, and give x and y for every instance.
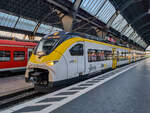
(139, 42)
(138, 39)
(106, 12)
(7, 20)
(92, 6)
(46, 29)
(129, 32)
(119, 23)
(142, 43)
(25, 24)
(134, 36)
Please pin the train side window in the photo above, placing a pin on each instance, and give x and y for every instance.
(102, 55)
(4, 56)
(92, 55)
(108, 55)
(99, 55)
(77, 50)
(19, 55)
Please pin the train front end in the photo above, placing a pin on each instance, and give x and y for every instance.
(40, 69)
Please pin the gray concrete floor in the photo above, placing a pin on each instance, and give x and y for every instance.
(127, 93)
(12, 84)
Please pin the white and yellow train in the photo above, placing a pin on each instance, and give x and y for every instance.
(64, 56)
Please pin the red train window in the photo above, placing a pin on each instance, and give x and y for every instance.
(4, 56)
(19, 55)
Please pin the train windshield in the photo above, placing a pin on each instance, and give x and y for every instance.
(45, 46)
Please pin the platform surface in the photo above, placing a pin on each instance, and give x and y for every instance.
(128, 93)
(124, 90)
(12, 84)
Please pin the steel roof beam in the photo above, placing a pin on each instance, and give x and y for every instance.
(73, 13)
(144, 25)
(94, 18)
(16, 22)
(125, 6)
(58, 5)
(148, 35)
(111, 20)
(76, 6)
(80, 16)
(145, 32)
(149, 4)
(39, 23)
(125, 28)
(84, 18)
(138, 18)
(121, 9)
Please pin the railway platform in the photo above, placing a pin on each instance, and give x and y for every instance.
(123, 90)
(13, 84)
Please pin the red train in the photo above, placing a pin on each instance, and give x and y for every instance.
(14, 54)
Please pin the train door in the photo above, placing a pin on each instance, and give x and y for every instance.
(129, 56)
(135, 55)
(81, 60)
(114, 64)
(76, 60)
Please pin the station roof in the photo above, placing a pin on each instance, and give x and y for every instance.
(137, 14)
(130, 18)
(24, 16)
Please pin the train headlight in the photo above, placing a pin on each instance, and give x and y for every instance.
(51, 63)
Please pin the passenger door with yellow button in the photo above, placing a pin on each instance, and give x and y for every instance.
(76, 60)
(114, 64)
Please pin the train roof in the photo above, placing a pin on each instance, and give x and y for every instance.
(67, 35)
(18, 43)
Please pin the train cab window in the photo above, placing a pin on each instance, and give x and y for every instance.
(77, 50)
(19, 55)
(45, 46)
(4, 56)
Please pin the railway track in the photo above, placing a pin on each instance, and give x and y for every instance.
(23, 95)
(17, 97)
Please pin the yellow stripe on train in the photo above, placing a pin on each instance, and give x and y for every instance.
(60, 50)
